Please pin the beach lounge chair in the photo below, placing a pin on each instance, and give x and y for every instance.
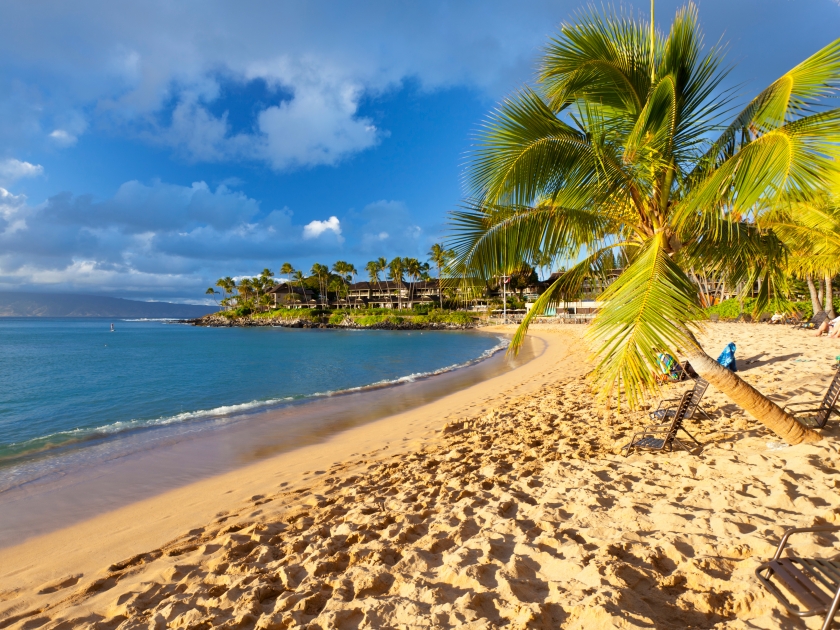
(816, 320)
(817, 417)
(814, 582)
(663, 413)
(663, 437)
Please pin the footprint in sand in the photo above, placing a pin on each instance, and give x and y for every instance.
(57, 586)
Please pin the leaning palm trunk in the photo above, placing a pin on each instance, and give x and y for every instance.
(829, 297)
(749, 399)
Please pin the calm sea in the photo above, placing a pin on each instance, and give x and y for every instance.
(70, 382)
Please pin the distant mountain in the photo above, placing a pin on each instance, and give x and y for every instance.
(13, 304)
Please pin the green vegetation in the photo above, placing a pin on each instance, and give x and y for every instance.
(627, 148)
(360, 317)
(730, 309)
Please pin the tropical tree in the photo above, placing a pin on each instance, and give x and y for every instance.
(228, 285)
(352, 272)
(288, 270)
(414, 270)
(372, 267)
(621, 147)
(322, 273)
(396, 271)
(214, 293)
(810, 227)
(439, 257)
(297, 276)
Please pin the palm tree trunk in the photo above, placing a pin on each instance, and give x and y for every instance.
(829, 297)
(749, 399)
(815, 299)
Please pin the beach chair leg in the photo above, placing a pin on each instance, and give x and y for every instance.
(829, 618)
(705, 415)
(691, 436)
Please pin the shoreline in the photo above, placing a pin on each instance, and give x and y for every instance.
(87, 547)
(99, 435)
(504, 505)
(53, 491)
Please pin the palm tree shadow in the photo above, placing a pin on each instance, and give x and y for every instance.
(753, 362)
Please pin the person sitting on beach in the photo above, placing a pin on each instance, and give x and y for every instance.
(670, 369)
(829, 326)
(777, 318)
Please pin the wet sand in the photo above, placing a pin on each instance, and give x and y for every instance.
(74, 486)
(504, 505)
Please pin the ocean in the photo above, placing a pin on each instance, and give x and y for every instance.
(67, 382)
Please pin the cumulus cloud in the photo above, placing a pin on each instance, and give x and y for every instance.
(12, 170)
(63, 138)
(314, 229)
(149, 69)
(152, 240)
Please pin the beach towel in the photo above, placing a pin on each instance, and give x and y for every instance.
(669, 366)
(727, 357)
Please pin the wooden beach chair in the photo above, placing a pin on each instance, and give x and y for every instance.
(663, 437)
(813, 582)
(663, 413)
(817, 417)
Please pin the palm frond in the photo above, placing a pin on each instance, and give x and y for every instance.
(644, 311)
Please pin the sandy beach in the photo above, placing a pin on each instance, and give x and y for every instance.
(506, 504)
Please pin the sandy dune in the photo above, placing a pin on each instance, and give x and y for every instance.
(517, 515)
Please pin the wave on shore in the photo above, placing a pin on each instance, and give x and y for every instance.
(11, 453)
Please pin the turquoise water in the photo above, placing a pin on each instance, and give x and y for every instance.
(66, 383)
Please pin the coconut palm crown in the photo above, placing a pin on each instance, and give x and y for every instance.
(623, 147)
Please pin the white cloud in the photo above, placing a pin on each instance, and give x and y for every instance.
(150, 70)
(157, 239)
(12, 170)
(314, 229)
(63, 138)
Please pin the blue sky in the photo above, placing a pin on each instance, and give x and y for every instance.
(148, 148)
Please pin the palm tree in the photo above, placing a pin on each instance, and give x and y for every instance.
(810, 227)
(244, 288)
(288, 270)
(322, 273)
(439, 257)
(214, 293)
(396, 269)
(414, 269)
(227, 285)
(615, 149)
(372, 267)
(299, 278)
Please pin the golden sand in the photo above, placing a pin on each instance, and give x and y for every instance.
(504, 505)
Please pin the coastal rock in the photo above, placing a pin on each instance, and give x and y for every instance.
(219, 321)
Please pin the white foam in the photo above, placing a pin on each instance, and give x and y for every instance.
(229, 410)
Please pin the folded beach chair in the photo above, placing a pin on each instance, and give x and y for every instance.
(813, 582)
(663, 413)
(817, 417)
(663, 437)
